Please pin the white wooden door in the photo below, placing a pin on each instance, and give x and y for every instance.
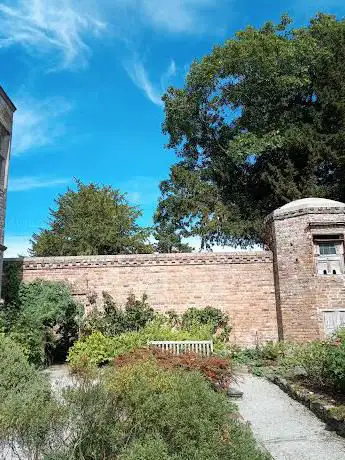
(333, 320)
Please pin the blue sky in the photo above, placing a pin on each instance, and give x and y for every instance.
(87, 77)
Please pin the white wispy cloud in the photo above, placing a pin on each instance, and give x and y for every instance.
(23, 184)
(178, 15)
(58, 27)
(38, 123)
(172, 16)
(63, 29)
(139, 75)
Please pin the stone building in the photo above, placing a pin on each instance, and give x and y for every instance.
(7, 110)
(295, 291)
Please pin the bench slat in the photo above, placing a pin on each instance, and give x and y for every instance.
(203, 347)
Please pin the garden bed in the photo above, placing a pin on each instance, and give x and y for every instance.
(323, 406)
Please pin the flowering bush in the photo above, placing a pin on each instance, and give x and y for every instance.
(216, 370)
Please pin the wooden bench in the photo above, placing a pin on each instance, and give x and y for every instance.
(202, 347)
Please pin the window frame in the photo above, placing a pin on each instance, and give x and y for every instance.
(333, 263)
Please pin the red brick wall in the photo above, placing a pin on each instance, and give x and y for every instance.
(302, 295)
(240, 284)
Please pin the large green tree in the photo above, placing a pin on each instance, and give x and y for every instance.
(92, 219)
(168, 240)
(259, 122)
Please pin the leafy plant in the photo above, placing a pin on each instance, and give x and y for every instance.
(111, 320)
(44, 321)
(217, 370)
(99, 349)
(213, 317)
(335, 366)
(136, 411)
(28, 409)
(180, 410)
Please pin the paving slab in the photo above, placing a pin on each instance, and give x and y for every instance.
(286, 429)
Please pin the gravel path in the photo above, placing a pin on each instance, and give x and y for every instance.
(287, 429)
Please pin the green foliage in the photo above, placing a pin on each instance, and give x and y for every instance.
(322, 363)
(114, 331)
(149, 448)
(112, 320)
(187, 419)
(92, 220)
(43, 319)
(259, 122)
(168, 240)
(313, 359)
(11, 282)
(218, 371)
(335, 366)
(27, 409)
(273, 351)
(98, 349)
(138, 313)
(214, 317)
(137, 412)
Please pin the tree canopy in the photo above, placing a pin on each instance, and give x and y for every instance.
(168, 240)
(259, 122)
(92, 220)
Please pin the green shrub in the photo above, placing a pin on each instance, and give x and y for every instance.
(185, 416)
(311, 358)
(336, 366)
(218, 371)
(45, 320)
(273, 351)
(29, 415)
(136, 412)
(112, 320)
(98, 349)
(150, 448)
(214, 317)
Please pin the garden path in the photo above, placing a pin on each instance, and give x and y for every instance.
(285, 428)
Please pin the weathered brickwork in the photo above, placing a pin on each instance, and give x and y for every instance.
(295, 293)
(6, 122)
(303, 295)
(240, 284)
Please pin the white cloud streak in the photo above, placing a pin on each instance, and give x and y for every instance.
(38, 124)
(172, 16)
(56, 27)
(178, 15)
(139, 75)
(26, 183)
(63, 29)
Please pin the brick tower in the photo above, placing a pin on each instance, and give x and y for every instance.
(307, 240)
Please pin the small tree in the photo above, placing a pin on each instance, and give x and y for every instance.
(94, 219)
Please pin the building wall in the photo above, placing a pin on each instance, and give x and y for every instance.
(6, 122)
(240, 284)
(302, 294)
